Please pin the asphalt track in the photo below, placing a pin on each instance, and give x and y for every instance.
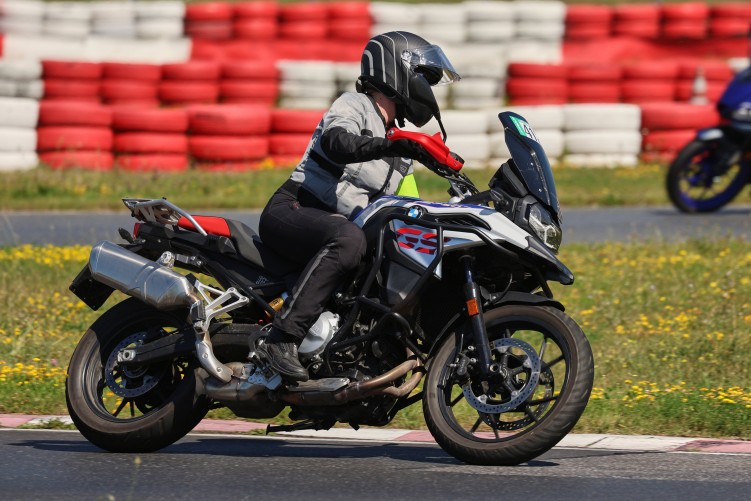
(580, 225)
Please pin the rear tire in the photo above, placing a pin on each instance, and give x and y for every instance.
(161, 400)
(538, 413)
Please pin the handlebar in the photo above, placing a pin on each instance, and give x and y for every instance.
(433, 145)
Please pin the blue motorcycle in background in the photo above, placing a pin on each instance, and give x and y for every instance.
(710, 171)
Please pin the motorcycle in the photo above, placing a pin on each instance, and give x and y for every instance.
(451, 295)
(712, 169)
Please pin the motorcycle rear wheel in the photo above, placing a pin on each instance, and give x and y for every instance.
(132, 409)
(537, 411)
(696, 183)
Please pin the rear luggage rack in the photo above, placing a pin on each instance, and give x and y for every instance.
(161, 211)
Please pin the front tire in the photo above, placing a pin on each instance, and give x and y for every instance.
(132, 409)
(703, 178)
(545, 376)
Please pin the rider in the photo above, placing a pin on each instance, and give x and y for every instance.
(348, 163)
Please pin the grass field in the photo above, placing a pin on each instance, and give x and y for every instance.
(669, 325)
(46, 189)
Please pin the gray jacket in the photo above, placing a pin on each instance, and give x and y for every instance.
(348, 188)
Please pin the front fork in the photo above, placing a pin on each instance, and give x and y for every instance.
(479, 334)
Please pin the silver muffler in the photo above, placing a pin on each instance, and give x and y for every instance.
(140, 278)
(164, 289)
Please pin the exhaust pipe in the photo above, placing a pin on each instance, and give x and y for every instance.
(140, 278)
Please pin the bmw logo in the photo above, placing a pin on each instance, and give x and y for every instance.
(416, 212)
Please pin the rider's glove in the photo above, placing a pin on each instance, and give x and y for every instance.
(410, 149)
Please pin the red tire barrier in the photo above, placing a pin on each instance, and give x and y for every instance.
(73, 113)
(129, 71)
(731, 10)
(260, 91)
(667, 140)
(595, 73)
(229, 120)
(134, 103)
(289, 144)
(537, 88)
(232, 148)
(153, 162)
(594, 92)
(685, 11)
(91, 160)
(303, 30)
(250, 70)
(594, 14)
(666, 116)
(192, 70)
(637, 29)
(150, 120)
(128, 89)
(71, 70)
(86, 89)
(684, 30)
(684, 90)
(150, 142)
(348, 10)
(718, 71)
(175, 92)
(210, 30)
(647, 91)
(583, 31)
(311, 12)
(259, 9)
(256, 29)
(728, 27)
(209, 11)
(51, 138)
(651, 70)
(636, 12)
(350, 29)
(533, 70)
(295, 121)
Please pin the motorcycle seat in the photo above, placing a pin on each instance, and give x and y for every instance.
(247, 242)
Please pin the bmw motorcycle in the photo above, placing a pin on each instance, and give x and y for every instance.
(451, 307)
(712, 169)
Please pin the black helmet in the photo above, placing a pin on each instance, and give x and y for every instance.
(399, 64)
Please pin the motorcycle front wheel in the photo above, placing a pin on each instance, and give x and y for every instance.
(704, 179)
(124, 408)
(542, 379)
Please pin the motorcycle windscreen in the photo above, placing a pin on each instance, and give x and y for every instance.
(530, 159)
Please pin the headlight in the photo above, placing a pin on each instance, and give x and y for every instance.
(541, 223)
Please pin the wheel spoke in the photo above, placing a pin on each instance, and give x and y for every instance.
(457, 399)
(543, 400)
(132, 409)
(554, 361)
(542, 347)
(120, 407)
(494, 420)
(477, 424)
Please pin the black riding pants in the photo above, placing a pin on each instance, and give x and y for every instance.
(327, 244)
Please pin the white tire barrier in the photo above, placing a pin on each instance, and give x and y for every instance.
(485, 10)
(533, 10)
(72, 28)
(18, 161)
(552, 141)
(112, 10)
(442, 14)
(68, 11)
(601, 160)
(491, 31)
(601, 116)
(15, 140)
(22, 8)
(474, 149)
(19, 113)
(159, 28)
(384, 13)
(160, 9)
(599, 141)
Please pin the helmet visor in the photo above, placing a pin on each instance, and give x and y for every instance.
(431, 62)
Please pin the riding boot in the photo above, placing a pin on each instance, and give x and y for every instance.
(280, 350)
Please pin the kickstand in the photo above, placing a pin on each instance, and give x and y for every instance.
(302, 425)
